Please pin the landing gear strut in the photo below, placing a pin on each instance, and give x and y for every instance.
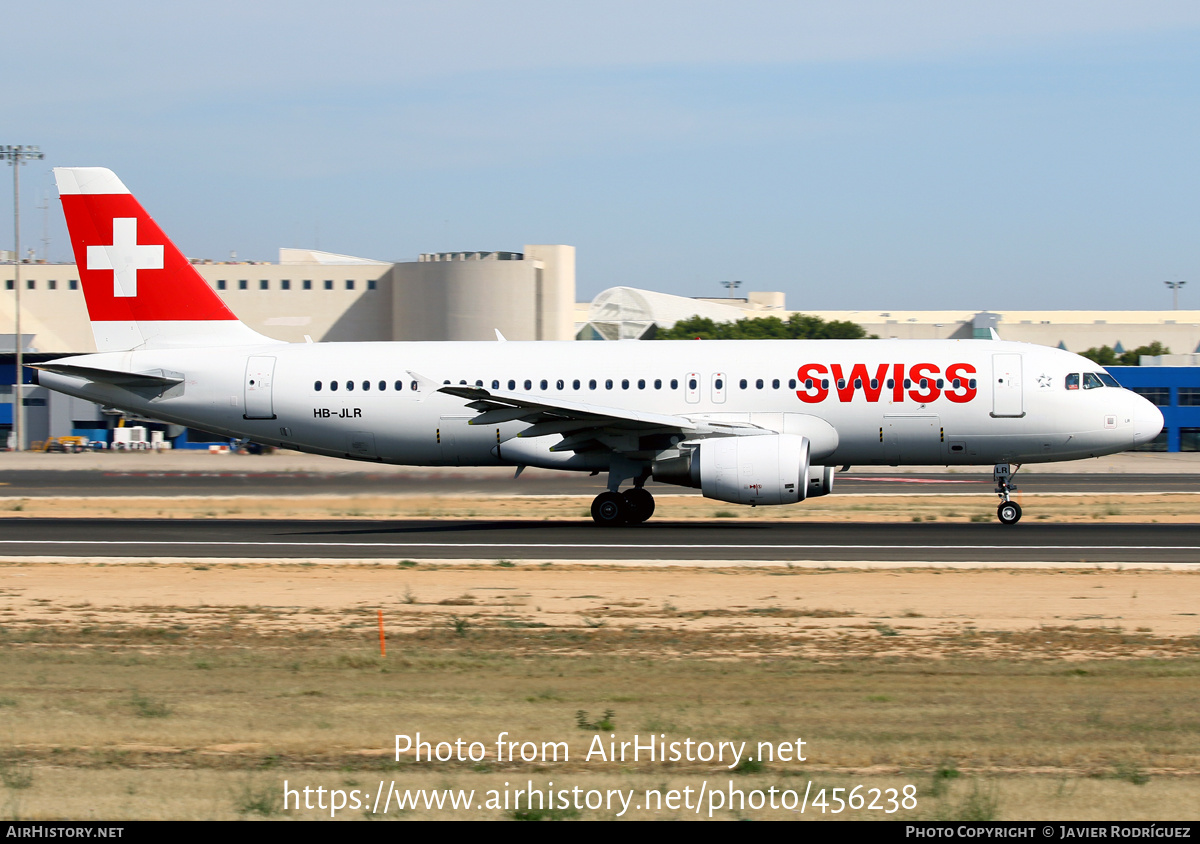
(1009, 512)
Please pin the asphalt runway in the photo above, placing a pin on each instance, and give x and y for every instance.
(578, 540)
(74, 483)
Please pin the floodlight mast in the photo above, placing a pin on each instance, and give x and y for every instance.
(16, 156)
(1174, 286)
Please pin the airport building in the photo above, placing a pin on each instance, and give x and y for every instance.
(530, 295)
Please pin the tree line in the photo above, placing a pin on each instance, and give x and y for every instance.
(1106, 356)
(796, 327)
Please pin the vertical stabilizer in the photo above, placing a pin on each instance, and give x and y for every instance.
(141, 292)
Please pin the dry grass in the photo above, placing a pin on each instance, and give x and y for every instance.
(158, 691)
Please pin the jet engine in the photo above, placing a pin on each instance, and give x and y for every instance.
(766, 469)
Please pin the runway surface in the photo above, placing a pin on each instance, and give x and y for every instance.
(74, 483)
(577, 540)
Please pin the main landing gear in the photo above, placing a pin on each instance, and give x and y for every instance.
(631, 507)
(1009, 512)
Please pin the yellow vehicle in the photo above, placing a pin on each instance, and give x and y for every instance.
(61, 444)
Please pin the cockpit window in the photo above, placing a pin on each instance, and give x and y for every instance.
(1073, 381)
(1108, 380)
(1091, 381)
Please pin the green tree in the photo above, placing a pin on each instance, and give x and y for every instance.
(1105, 356)
(797, 327)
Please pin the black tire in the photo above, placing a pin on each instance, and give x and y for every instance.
(610, 509)
(641, 505)
(1009, 512)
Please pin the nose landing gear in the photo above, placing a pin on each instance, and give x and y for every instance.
(1009, 512)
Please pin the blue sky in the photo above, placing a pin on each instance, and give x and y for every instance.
(861, 154)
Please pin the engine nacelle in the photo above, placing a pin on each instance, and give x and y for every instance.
(768, 469)
(820, 481)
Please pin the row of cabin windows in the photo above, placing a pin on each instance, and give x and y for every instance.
(609, 383)
(286, 284)
(51, 284)
(940, 383)
(366, 386)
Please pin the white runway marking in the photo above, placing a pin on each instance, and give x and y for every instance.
(600, 546)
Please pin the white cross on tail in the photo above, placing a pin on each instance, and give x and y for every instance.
(125, 257)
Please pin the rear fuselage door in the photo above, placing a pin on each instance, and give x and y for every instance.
(260, 372)
(1007, 388)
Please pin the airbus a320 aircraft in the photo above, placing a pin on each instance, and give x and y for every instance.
(748, 422)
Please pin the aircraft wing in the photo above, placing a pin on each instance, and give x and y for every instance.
(584, 426)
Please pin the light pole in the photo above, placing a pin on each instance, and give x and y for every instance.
(1175, 285)
(16, 156)
(730, 286)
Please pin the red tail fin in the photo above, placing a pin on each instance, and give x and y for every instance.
(141, 291)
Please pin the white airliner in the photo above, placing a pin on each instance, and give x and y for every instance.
(749, 422)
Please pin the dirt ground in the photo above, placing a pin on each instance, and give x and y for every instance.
(817, 607)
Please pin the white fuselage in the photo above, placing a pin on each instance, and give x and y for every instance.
(981, 402)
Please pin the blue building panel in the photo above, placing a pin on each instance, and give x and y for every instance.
(1176, 391)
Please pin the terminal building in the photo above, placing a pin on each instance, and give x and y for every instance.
(530, 295)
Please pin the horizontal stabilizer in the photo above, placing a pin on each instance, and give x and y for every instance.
(118, 378)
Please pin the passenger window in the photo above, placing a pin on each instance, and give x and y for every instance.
(495, 385)
(559, 384)
(382, 386)
(658, 383)
(775, 384)
(333, 385)
(512, 385)
(575, 384)
(907, 383)
(416, 386)
(719, 384)
(841, 383)
(674, 383)
(791, 383)
(858, 383)
(528, 384)
(891, 383)
(349, 386)
(1091, 381)
(478, 383)
(641, 383)
(693, 384)
(624, 383)
(742, 384)
(758, 385)
(608, 384)
(545, 383)
(874, 383)
(317, 386)
(592, 384)
(399, 385)
(808, 383)
(366, 386)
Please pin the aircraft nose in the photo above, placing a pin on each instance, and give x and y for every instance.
(1147, 421)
